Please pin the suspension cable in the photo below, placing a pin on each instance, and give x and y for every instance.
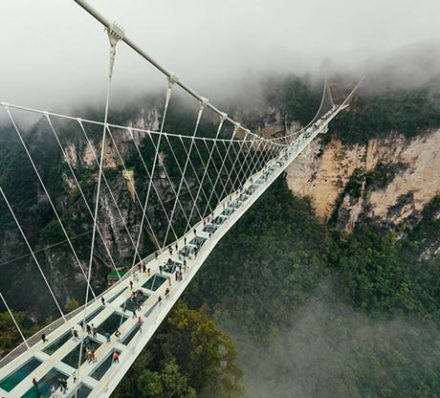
(114, 35)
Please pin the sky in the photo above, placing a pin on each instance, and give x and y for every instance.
(53, 54)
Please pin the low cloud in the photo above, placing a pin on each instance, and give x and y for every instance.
(333, 351)
(54, 55)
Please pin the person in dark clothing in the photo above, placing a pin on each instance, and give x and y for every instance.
(74, 334)
(62, 383)
(43, 338)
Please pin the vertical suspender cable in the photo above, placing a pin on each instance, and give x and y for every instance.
(114, 34)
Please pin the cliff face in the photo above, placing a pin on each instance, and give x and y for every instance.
(388, 181)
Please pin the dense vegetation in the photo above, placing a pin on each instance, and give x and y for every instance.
(365, 304)
(313, 312)
(10, 338)
(408, 112)
(372, 114)
(188, 357)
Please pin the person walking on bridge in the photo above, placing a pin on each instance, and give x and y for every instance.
(35, 383)
(43, 338)
(74, 333)
(139, 323)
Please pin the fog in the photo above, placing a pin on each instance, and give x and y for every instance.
(332, 350)
(53, 54)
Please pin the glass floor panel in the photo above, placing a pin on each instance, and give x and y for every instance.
(150, 310)
(154, 282)
(92, 315)
(113, 322)
(101, 370)
(130, 335)
(170, 266)
(210, 228)
(186, 251)
(198, 242)
(139, 299)
(117, 295)
(228, 211)
(83, 391)
(72, 357)
(50, 379)
(51, 348)
(219, 220)
(236, 204)
(9, 382)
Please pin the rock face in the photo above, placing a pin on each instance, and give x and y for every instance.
(388, 180)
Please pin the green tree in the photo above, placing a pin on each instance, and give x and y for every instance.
(170, 383)
(188, 356)
(10, 337)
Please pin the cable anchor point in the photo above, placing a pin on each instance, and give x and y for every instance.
(172, 80)
(114, 33)
(203, 102)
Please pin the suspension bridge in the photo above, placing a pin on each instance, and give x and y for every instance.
(195, 187)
